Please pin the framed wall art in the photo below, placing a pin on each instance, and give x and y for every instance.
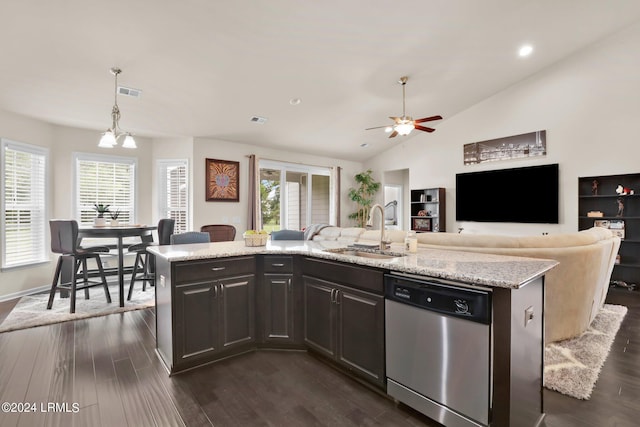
(421, 224)
(222, 180)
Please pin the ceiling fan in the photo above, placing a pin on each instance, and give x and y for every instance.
(405, 124)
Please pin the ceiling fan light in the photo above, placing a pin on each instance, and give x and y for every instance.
(388, 129)
(108, 140)
(129, 142)
(404, 128)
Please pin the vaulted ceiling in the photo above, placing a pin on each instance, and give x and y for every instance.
(205, 67)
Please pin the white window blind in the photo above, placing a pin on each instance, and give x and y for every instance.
(24, 204)
(174, 192)
(106, 180)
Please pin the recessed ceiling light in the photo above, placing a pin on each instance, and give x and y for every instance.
(295, 101)
(525, 50)
(364, 145)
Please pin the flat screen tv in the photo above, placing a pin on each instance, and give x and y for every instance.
(522, 195)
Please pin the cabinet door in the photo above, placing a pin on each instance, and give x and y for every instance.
(319, 315)
(196, 321)
(236, 299)
(361, 333)
(278, 308)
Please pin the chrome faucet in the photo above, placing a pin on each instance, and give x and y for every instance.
(383, 244)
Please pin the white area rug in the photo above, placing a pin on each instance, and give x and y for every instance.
(572, 366)
(32, 310)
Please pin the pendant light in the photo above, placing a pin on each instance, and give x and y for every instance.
(110, 138)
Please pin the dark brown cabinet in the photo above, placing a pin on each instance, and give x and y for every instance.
(279, 297)
(344, 323)
(208, 313)
(428, 210)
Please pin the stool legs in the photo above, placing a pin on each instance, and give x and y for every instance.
(72, 286)
(54, 284)
(103, 278)
(142, 260)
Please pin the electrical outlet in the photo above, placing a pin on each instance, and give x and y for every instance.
(528, 316)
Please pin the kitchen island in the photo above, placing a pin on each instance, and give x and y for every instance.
(218, 300)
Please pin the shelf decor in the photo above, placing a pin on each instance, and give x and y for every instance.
(222, 180)
(421, 224)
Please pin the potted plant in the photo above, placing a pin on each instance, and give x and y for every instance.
(101, 210)
(363, 196)
(114, 218)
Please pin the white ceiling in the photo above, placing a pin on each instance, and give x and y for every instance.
(207, 66)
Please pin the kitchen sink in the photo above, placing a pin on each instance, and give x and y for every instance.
(366, 253)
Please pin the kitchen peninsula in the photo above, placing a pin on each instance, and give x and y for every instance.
(218, 300)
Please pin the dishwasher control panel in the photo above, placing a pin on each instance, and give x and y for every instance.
(466, 303)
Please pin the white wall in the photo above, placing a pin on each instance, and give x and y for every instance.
(588, 103)
(235, 213)
(170, 149)
(62, 142)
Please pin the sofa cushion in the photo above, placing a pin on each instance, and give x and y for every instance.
(586, 237)
(394, 236)
(328, 233)
(468, 240)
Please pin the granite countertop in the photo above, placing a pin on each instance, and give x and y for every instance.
(470, 267)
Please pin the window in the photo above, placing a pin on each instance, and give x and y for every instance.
(24, 204)
(173, 194)
(294, 196)
(107, 180)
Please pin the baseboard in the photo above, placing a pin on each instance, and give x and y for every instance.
(21, 294)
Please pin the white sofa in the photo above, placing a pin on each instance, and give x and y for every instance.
(574, 291)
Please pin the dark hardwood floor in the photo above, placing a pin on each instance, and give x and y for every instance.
(108, 368)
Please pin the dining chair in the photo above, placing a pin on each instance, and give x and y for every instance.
(220, 232)
(64, 241)
(144, 262)
(190, 237)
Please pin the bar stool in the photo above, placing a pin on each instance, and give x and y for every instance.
(64, 241)
(144, 260)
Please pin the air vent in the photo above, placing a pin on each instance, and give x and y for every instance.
(259, 120)
(127, 91)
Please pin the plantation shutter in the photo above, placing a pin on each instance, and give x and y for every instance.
(24, 208)
(108, 181)
(174, 192)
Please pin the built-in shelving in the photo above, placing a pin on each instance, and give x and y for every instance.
(428, 210)
(606, 201)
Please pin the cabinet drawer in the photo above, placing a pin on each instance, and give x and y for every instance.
(189, 271)
(277, 264)
(367, 279)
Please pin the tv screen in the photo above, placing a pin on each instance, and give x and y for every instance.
(524, 195)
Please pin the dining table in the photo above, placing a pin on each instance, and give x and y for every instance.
(119, 232)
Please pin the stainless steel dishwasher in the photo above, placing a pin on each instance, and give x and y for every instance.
(438, 348)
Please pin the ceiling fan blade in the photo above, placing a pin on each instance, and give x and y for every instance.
(378, 127)
(428, 119)
(393, 134)
(425, 129)
(395, 119)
